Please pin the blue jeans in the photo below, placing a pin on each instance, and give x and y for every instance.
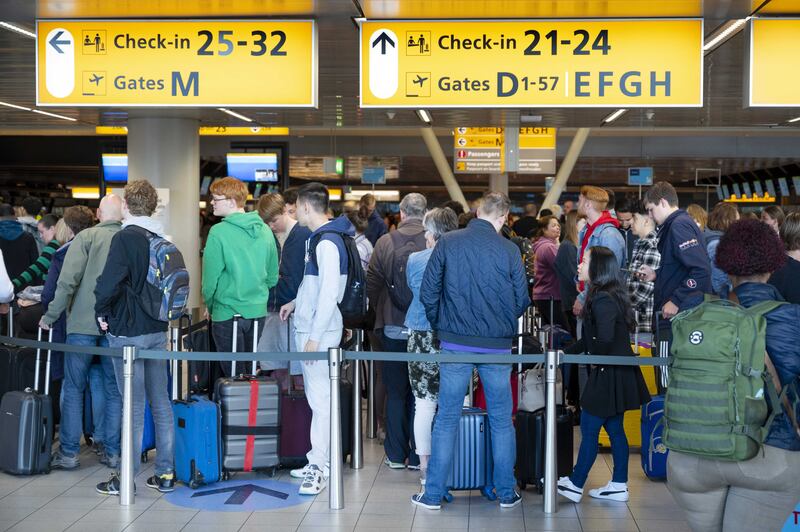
(454, 379)
(150, 381)
(76, 372)
(590, 434)
(98, 400)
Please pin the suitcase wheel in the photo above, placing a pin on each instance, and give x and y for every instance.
(271, 472)
(144, 457)
(193, 484)
(226, 476)
(521, 485)
(448, 497)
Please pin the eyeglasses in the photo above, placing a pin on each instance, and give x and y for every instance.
(217, 200)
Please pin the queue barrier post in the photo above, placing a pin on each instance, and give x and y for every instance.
(336, 484)
(126, 492)
(550, 499)
(357, 452)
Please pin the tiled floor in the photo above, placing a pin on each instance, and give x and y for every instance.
(376, 499)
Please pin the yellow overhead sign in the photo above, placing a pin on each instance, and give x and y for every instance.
(198, 63)
(208, 131)
(774, 63)
(537, 137)
(535, 63)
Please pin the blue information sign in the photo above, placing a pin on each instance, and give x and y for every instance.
(642, 176)
(373, 175)
(238, 496)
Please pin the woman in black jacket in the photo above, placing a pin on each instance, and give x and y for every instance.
(610, 390)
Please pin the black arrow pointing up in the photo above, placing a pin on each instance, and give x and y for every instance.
(240, 494)
(54, 42)
(383, 39)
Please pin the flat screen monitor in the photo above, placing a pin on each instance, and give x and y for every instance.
(254, 167)
(115, 167)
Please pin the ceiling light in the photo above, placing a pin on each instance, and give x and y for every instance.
(793, 120)
(15, 106)
(237, 115)
(424, 116)
(727, 30)
(17, 29)
(62, 117)
(613, 116)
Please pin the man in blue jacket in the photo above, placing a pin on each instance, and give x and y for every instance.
(474, 290)
(685, 271)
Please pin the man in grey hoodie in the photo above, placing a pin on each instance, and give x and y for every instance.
(318, 321)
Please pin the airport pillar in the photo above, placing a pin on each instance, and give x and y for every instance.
(166, 151)
(564, 171)
(498, 183)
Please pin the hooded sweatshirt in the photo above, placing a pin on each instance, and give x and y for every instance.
(124, 278)
(18, 247)
(324, 280)
(240, 265)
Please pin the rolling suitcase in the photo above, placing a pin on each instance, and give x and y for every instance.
(530, 428)
(26, 427)
(654, 452)
(295, 441)
(250, 408)
(472, 456)
(473, 464)
(530, 437)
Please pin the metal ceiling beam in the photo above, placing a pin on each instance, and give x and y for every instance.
(439, 159)
(566, 167)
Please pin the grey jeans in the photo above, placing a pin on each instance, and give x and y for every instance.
(758, 494)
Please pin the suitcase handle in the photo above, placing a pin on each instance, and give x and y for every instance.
(39, 361)
(234, 342)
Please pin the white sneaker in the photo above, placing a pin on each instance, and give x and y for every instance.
(569, 490)
(313, 483)
(300, 473)
(613, 491)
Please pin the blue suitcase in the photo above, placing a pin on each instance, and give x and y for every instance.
(198, 441)
(472, 457)
(654, 453)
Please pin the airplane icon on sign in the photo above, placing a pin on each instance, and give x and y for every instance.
(419, 81)
(95, 79)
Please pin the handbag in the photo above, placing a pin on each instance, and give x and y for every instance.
(534, 389)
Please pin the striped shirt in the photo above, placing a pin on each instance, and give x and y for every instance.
(36, 273)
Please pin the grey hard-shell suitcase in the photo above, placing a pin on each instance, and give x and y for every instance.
(26, 426)
(250, 408)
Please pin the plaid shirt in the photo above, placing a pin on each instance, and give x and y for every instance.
(645, 253)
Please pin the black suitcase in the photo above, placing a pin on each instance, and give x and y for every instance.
(530, 431)
(26, 427)
(531, 443)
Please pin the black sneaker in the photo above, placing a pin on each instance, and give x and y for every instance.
(512, 502)
(111, 486)
(162, 483)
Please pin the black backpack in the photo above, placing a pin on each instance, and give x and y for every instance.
(354, 302)
(397, 283)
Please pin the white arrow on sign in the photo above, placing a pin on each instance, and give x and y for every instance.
(60, 63)
(383, 54)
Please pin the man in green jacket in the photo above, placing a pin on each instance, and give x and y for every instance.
(240, 265)
(83, 264)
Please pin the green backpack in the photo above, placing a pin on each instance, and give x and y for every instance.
(715, 404)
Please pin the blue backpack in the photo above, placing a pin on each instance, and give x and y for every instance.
(167, 291)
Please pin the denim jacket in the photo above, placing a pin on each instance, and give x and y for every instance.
(416, 320)
(607, 236)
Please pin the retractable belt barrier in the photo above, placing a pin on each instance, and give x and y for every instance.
(335, 357)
